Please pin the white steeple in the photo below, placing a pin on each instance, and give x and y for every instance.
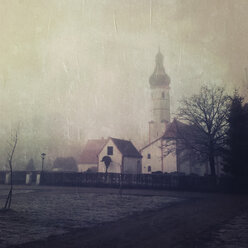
(159, 85)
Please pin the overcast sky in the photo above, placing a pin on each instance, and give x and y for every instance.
(86, 63)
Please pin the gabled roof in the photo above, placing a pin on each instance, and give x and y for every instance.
(126, 148)
(91, 151)
(174, 129)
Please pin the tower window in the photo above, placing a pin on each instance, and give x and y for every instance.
(149, 168)
(110, 150)
(149, 156)
(162, 94)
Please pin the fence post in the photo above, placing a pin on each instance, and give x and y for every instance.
(7, 178)
(28, 178)
(38, 178)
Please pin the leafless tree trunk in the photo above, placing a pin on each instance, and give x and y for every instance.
(202, 132)
(10, 157)
(206, 114)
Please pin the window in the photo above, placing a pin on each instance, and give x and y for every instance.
(149, 168)
(110, 150)
(149, 156)
(162, 94)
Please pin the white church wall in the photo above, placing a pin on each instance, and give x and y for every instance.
(156, 162)
(189, 166)
(152, 162)
(170, 158)
(170, 163)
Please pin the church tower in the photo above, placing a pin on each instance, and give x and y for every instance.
(159, 85)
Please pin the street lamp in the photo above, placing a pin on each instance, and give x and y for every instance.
(42, 157)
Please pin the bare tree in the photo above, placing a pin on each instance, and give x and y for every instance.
(206, 114)
(10, 158)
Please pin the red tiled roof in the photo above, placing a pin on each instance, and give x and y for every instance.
(91, 151)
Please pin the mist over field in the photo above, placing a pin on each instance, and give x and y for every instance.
(79, 69)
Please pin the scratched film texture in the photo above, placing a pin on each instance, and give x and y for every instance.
(79, 69)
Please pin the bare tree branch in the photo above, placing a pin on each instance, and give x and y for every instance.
(8, 201)
(206, 116)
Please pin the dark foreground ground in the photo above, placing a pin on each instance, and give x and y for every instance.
(203, 220)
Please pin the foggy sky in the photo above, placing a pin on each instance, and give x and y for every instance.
(73, 70)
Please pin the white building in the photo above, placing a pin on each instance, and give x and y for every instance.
(153, 157)
(160, 95)
(163, 134)
(187, 161)
(124, 157)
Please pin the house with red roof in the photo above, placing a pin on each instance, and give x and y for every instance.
(89, 158)
(122, 155)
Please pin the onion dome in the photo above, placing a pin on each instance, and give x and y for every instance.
(159, 77)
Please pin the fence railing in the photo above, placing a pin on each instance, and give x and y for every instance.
(152, 181)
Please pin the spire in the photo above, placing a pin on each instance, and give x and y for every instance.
(159, 58)
(159, 77)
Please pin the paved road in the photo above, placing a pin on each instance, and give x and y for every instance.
(191, 223)
(232, 234)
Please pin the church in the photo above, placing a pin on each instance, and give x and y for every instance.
(153, 158)
(163, 132)
(162, 153)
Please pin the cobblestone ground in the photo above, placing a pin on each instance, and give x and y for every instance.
(233, 234)
(42, 212)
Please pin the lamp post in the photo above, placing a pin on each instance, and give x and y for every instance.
(42, 157)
